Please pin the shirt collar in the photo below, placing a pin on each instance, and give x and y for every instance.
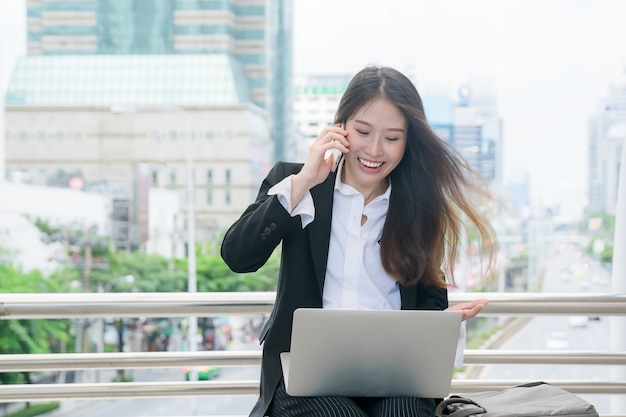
(346, 189)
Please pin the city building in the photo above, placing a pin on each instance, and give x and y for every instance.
(315, 101)
(518, 190)
(256, 33)
(316, 98)
(279, 60)
(477, 133)
(221, 63)
(9, 49)
(63, 126)
(607, 135)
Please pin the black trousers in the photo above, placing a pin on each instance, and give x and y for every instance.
(284, 405)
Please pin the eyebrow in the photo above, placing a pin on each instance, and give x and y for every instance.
(395, 129)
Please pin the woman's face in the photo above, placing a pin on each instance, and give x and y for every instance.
(377, 135)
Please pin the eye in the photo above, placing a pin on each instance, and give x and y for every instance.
(362, 132)
(392, 139)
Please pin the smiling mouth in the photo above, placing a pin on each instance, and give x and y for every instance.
(370, 164)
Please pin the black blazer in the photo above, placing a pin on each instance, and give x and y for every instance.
(251, 240)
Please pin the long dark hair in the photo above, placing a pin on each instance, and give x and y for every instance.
(433, 187)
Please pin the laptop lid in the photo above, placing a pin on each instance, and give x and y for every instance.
(371, 353)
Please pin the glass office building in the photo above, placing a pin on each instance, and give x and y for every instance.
(473, 128)
(138, 80)
(255, 32)
(607, 130)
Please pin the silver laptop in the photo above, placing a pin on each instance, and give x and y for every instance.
(371, 353)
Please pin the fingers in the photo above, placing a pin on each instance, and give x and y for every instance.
(479, 302)
(472, 312)
(471, 309)
(332, 134)
(330, 143)
(317, 167)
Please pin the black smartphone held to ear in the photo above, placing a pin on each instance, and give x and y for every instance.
(336, 153)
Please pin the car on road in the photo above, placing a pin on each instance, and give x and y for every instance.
(578, 321)
(558, 341)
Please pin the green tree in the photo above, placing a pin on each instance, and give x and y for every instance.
(151, 273)
(215, 275)
(155, 273)
(604, 233)
(606, 228)
(29, 336)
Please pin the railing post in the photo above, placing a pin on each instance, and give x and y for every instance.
(618, 281)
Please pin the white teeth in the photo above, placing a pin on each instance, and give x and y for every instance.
(370, 164)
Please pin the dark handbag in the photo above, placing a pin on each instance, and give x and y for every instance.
(535, 399)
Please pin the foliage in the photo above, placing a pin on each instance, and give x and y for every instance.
(214, 275)
(151, 273)
(478, 340)
(28, 336)
(76, 239)
(606, 256)
(123, 378)
(605, 233)
(36, 409)
(607, 226)
(154, 273)
(46, 228)
(64, 278)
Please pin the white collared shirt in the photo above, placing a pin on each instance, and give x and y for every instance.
(355, 277)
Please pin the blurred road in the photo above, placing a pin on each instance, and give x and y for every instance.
(568, 270)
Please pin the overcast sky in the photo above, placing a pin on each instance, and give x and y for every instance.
(12, 36)
(548, 61)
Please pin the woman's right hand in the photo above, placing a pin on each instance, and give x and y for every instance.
(315, 169)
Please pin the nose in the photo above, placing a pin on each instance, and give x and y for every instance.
(375, 147)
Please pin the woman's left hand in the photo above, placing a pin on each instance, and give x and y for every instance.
(469, 310)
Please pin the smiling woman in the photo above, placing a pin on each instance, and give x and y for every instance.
(373, 235)
(377, 142)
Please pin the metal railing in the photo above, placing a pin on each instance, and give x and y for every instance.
(53, 306)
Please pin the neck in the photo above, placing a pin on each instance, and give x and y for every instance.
(380, 188)
(368, 193)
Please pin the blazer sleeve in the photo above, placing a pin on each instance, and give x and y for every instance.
(250, 241)
(431, 297)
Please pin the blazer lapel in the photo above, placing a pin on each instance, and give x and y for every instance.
(319, 229)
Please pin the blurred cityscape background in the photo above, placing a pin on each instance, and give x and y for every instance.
(133, 133)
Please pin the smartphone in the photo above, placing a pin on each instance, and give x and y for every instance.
(336, 153)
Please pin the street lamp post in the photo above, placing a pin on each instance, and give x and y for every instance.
(190, 199)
